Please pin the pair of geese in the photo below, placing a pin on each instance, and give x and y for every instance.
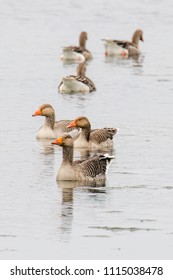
(81, 83)
(77, 133)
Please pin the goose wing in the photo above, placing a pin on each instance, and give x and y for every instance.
(125, 44)
(87, 82)
(101, 135)
(73, 49)
(94, 166)
(122, 43)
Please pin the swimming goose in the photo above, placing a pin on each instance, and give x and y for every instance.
(97, 138)
(52, 128)
(89, 170)
(78, 83)
(77, 53)
(124, 48)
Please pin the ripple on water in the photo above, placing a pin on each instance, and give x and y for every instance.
(117, 229)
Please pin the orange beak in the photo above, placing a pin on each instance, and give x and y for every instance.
(37, 113)
(57, 141)
(72, 124)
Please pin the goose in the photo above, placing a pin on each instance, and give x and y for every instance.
(91, 170)
(124, 48)
(77, 53)
(97, 138)
(78, 83)
(51, 128)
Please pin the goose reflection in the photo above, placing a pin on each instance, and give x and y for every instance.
(131, 61)
(67, 203)
(45, 146)
(84, 153)
(46, 157)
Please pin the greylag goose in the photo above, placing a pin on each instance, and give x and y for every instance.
(77, 53)
(97, 138)
(78, 83)
(124, 48)
(89, 170)
(51, 128)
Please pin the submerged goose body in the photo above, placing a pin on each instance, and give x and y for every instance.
(97, 138)
(51, 128)
(78, 83)
(77, 53)
(124, 48)
(90, 170)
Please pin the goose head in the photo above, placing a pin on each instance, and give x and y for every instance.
(81, 122)
(137, 36)
(45, 110)
(64, 141)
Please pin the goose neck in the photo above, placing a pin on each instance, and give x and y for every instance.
(86, 132)
(68, 155)
(82, 43)
(50, 121)
(135, 40)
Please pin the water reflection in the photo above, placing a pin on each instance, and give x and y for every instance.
(67, 189)
(66, 210)
(46, 146)
(86, 152)
(121, 61)
(69, 62)
(66, 63)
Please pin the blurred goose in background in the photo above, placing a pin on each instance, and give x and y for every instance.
(97, 138)
(78, 83)
(89, 170)
(52, 128)
(124, 48)
(77, 53)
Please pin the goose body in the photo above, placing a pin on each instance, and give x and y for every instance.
(78, 83)
(73, 53)
(51, 128)
(124, 48)
(77, 53)
(90, 170)
(97, 138)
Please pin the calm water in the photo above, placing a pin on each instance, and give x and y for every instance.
(130, 217)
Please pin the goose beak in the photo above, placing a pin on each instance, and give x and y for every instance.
(72, 124)
(37, 113)
(57, 141)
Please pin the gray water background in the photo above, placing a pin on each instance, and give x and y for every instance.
(131, 216)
